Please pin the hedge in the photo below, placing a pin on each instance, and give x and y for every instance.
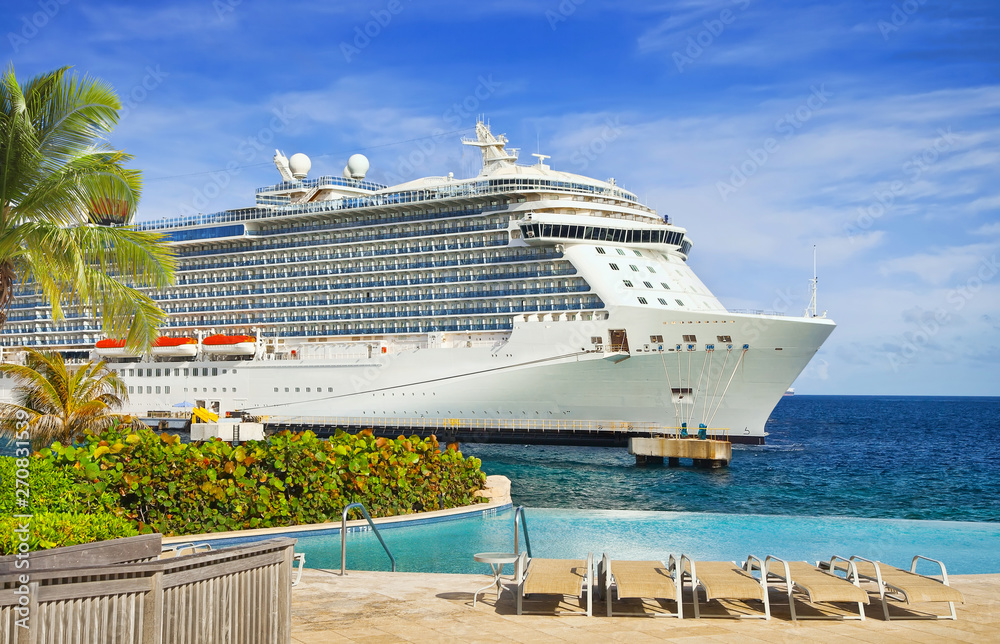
(174, 488)
(46, 487)
(55, 529)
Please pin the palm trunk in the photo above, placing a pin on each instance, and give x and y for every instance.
(7, 274)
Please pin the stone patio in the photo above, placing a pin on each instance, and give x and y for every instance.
(418, 607)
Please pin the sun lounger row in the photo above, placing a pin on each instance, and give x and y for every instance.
(835, 584)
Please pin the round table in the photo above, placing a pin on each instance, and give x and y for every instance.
(496, 560)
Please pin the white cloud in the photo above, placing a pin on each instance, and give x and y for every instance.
(942, 266)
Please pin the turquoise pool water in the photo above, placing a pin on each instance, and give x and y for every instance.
(965, 547)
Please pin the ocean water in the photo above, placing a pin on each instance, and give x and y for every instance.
(883, 457)
(881, 477)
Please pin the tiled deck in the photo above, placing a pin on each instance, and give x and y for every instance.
(412, 607)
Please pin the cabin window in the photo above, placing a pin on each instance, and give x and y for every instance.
(634, 267)
(614, 267)
(690, 338)
(648, 285)
(725, 338)
(656, 339)
(642, 300)
(627, 283)
(679, 303)
(662, 301)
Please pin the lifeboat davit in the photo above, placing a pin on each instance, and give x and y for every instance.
(111, 348)
(175, 347)
(230, 345)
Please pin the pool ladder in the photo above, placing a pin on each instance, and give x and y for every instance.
(519, 517)
(343, 536)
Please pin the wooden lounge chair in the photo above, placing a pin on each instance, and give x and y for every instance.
(909, 587)
(820, 586)
(724, 580)
(641, 580)
(565, 577)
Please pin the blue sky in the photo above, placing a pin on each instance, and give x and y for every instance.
(869, 129)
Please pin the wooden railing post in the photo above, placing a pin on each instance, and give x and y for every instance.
(152, 618)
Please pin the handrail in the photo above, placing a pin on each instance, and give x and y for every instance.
(519, 514)
(343, 537)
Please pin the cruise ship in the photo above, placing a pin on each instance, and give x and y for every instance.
(523, 298)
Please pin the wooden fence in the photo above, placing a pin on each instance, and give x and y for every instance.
(238, 595)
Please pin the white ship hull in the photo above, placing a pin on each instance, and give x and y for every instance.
(544, 376)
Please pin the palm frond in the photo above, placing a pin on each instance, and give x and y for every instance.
(56, 171)
(61, 403)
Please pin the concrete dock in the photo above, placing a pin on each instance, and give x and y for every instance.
(383, 607)
(703, 452)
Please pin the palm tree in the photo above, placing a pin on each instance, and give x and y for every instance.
(59, 403)
(60, 183)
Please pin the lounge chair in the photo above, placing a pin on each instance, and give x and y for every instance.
(820, 586)
(724, 580)
(178, 549)
(565, 577)
(641, 580)
(909, 587)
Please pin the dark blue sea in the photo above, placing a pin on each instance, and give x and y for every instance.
(859, 456)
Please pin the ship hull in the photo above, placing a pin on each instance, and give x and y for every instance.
(543, 377)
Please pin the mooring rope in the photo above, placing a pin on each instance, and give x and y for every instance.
(726, 390)
(670, 392)
(722, 373)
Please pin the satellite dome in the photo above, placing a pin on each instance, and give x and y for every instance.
(299, 164)
(347, 172)
(358, 165)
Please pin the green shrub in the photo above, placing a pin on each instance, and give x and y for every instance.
(186, 488)
(48, 488)
(54, 529)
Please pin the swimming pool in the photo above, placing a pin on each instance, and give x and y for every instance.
(448, 546)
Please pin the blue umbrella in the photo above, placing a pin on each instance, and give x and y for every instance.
(185, 404)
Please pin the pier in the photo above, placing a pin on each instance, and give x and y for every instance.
(703, 452)
(578, 433)
(582, 433)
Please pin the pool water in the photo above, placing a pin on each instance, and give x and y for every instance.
(965, 547)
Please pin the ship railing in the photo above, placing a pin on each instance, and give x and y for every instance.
(498, 424)
(714, 433)
(777, 314)
(479, 188)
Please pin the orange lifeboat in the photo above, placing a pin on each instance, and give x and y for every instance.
(112, 348)
(175, 347)
(230, 345)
